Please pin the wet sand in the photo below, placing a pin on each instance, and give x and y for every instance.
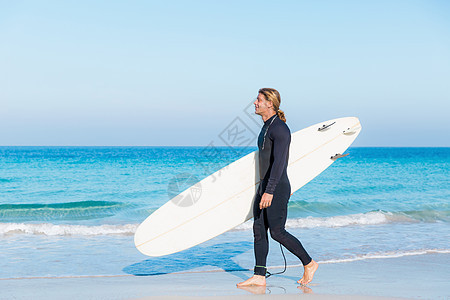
(420, 276)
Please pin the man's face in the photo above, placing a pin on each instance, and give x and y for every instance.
(262, 106)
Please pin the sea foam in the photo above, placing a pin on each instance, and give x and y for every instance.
(66, 230)
(382, 255)
(370, 218)
(375, 255)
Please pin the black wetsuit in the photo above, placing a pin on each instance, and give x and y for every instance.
(273, 144)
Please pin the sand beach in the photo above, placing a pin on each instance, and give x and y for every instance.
(409, 277)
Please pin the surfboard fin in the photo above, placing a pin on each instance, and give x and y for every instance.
(350, 131)
(325, 127)
(338, 155)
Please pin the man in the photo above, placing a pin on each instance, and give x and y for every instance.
(271, 200)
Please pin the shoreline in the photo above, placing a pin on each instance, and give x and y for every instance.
(373, 256)
(393, 278)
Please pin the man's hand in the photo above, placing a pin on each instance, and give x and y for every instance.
(266, 201)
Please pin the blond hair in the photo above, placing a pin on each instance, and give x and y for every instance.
(273, 96)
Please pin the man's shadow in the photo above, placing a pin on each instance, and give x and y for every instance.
(218, 256)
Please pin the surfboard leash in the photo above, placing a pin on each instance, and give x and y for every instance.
(268, 274)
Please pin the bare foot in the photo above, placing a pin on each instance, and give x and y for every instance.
(254, 280)
(308, 274)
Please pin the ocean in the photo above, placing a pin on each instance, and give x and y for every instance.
(72, 211)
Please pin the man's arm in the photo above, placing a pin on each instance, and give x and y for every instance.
(281, 139)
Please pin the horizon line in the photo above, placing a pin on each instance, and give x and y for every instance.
(221, 146)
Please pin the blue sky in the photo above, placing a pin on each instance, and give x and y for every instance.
(178, 72)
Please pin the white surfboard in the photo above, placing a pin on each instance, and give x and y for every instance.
(224, 200)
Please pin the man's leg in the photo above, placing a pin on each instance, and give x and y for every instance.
(261, 245)
(276, 219)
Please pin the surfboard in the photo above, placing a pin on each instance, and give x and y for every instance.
(224, 200)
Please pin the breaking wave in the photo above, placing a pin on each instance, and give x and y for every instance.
(80, 210)
(66, 230)
(370, 218)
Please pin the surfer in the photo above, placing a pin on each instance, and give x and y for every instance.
(274, 191)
